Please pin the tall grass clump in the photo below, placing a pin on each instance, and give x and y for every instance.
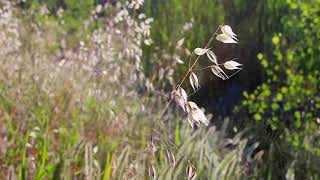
(66, 113)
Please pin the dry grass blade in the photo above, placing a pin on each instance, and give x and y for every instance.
(151, 147)
(152, 172)
(191, 173)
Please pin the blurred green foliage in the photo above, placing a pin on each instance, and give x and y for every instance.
(170, 24)
(75, 18)
(289, 97)
(170, 16)
(73, 15)
(288, 101)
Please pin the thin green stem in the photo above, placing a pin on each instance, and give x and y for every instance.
(190, 58)
(195, 62)
(234, 73)
(199, 69)
(171, 143)
(194, 92)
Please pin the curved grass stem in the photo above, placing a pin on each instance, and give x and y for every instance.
(190, 68)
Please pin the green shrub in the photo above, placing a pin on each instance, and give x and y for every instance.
(287, 103)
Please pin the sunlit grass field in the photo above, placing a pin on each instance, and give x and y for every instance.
(159, 89)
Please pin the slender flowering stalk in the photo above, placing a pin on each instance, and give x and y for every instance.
(190, 69)
(195, 115)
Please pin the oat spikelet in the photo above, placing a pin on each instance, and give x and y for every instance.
(219, 72)
(232, 65)
(180, 97)
(196, 115)
(194, 81)
(200, 51)
(212, 57)
(191, 173)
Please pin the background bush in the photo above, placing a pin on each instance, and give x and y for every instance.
(286, 104)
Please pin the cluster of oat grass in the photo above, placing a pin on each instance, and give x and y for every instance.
(66, 112)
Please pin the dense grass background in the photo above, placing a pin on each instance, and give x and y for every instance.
(82, 90)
